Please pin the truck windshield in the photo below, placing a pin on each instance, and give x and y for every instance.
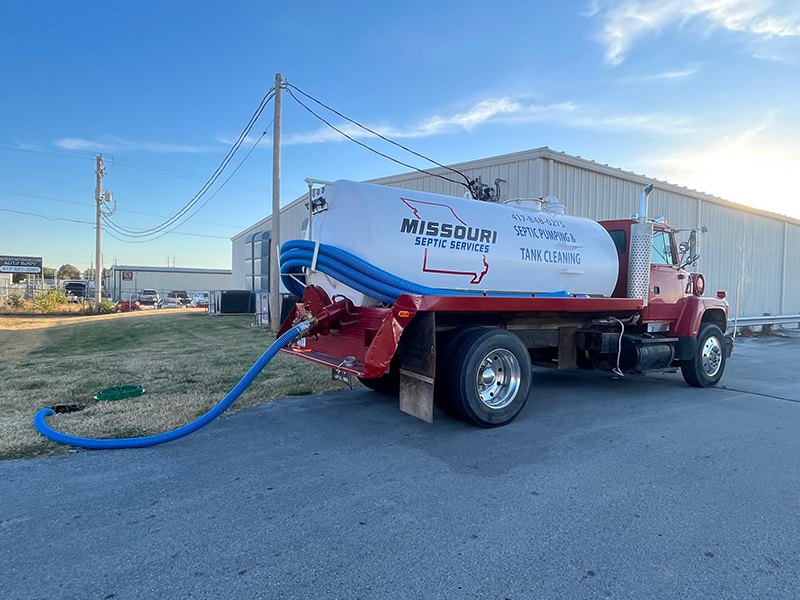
(661, 253)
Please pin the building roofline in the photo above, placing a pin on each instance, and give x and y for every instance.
(578, 161)
(545, 152)
(268, 218)
(171, 270)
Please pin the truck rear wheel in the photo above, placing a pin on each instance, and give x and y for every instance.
(445, 352)
(705, 368)
(489, 377)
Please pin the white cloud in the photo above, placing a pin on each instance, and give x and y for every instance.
(249, 140)
(480, 113)
(508, 111)
(501, 111)
(667, 76)
(774, 57)
(79, 144)
(625, 21)
(112, 143)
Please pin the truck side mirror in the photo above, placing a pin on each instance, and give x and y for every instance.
(689, 247)
(693, 256)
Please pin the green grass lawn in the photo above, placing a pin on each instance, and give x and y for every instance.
(186, 360)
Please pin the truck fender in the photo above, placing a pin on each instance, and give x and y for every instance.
(696, 311)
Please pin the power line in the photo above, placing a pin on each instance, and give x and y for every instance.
(135, 212)
(177, 173)
(289, 88)
(224, 183)
(19, 212)
(115, 228)
(189, 205)
(203, 235)
(166, 224)
(31, 147)
(34, 151)
(119, 160)
(30, 214)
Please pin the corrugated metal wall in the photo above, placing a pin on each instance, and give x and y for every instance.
(758, 249)
(163, 282)
(741, 245)
(292, 217)
(791, 292)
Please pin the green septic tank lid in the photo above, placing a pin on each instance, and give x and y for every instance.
(119, 392)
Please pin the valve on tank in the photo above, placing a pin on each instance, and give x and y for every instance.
(485, 193)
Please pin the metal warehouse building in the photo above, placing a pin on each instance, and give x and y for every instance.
(759, 249)
(123, 282)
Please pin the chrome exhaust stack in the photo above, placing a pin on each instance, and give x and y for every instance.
(639, 252)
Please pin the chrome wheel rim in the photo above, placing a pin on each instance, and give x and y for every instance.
(712, 356)
(498, 379)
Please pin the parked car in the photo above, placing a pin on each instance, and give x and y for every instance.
(76, 291)
(200, 300)
(126, 306)
(181, 295)
(169, 302)
(148, 296)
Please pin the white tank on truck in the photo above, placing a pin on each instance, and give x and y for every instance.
(520, 247)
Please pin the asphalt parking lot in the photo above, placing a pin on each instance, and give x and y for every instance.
(635, 488)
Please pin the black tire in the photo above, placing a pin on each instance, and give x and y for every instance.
(490, 377)
(705, 368)
(389, 383)
(382, 385)
(445, 351)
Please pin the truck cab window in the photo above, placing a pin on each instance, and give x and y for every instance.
(618, 235)
(661, 253)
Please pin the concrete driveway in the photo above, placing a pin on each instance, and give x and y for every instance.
(637, 488)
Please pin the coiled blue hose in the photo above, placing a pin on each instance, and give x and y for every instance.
(359, 274)
(350, 270)
(169, 436)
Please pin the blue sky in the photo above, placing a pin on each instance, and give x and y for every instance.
(702, 93)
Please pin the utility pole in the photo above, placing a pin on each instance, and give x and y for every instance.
(98, 270)
(274, 265)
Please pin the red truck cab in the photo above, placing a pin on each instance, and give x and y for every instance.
(675, 301)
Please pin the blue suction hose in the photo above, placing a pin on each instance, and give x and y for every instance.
(350, 270)
(362, 275)
(295, 255)
(152, 440)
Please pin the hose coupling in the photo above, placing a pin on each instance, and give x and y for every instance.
(307, 322)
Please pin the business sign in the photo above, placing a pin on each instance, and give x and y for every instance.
(127, 276)
(20, 264)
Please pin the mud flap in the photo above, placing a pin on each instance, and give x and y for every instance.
(417, 350)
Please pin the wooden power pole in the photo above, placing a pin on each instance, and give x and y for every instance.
(274, 254)
(98, 267)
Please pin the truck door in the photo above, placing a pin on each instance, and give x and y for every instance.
(667, 279)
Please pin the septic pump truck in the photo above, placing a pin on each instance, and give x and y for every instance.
(471, 353)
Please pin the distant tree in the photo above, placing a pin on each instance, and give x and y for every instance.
(19, 277)
(49, 273)
(89, 274)
(68, 272)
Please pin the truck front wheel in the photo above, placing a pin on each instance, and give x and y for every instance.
(705, 368)
(489, 377)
